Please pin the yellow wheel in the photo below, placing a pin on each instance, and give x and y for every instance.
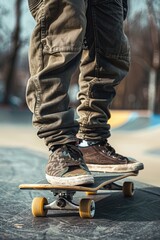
(128, 189)
(38, 207)
(87, 208)
(91, 193)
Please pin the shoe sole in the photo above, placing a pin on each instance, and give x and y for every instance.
(118, 168)
(70, 181)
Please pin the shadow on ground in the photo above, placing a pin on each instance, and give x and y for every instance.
(116, 217)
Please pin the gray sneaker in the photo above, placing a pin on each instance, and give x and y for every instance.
(67, 167)
(101, 157)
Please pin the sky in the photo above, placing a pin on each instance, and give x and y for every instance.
(27, 23)
(137, 6)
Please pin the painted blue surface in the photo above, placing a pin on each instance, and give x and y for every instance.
(155, 119)
(137, 121)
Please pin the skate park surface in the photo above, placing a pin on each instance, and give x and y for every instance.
(23, 158)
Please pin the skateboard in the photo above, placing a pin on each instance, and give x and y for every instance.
(64, 194)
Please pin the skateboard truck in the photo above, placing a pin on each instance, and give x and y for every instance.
(61, 204)
(86, 206)
(63, 201)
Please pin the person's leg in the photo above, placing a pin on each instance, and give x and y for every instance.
(55, 52)
(105, 62)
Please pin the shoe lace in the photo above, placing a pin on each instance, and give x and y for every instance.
(76, 154)
(110, 151)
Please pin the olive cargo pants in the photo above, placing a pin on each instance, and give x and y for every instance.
(68, 34)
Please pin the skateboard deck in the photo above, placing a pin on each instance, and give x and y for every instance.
(64, 194)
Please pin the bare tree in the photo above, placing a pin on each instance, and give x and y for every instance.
(143, 31)
(15, 46)
(154, 81)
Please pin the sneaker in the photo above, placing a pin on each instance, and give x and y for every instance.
(67, 167)
(101, 157)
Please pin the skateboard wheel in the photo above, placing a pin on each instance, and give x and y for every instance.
(87, 208)
(38, 207)
(91, 193)
(128, 189)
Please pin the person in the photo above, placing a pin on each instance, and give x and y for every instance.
(69, 34)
